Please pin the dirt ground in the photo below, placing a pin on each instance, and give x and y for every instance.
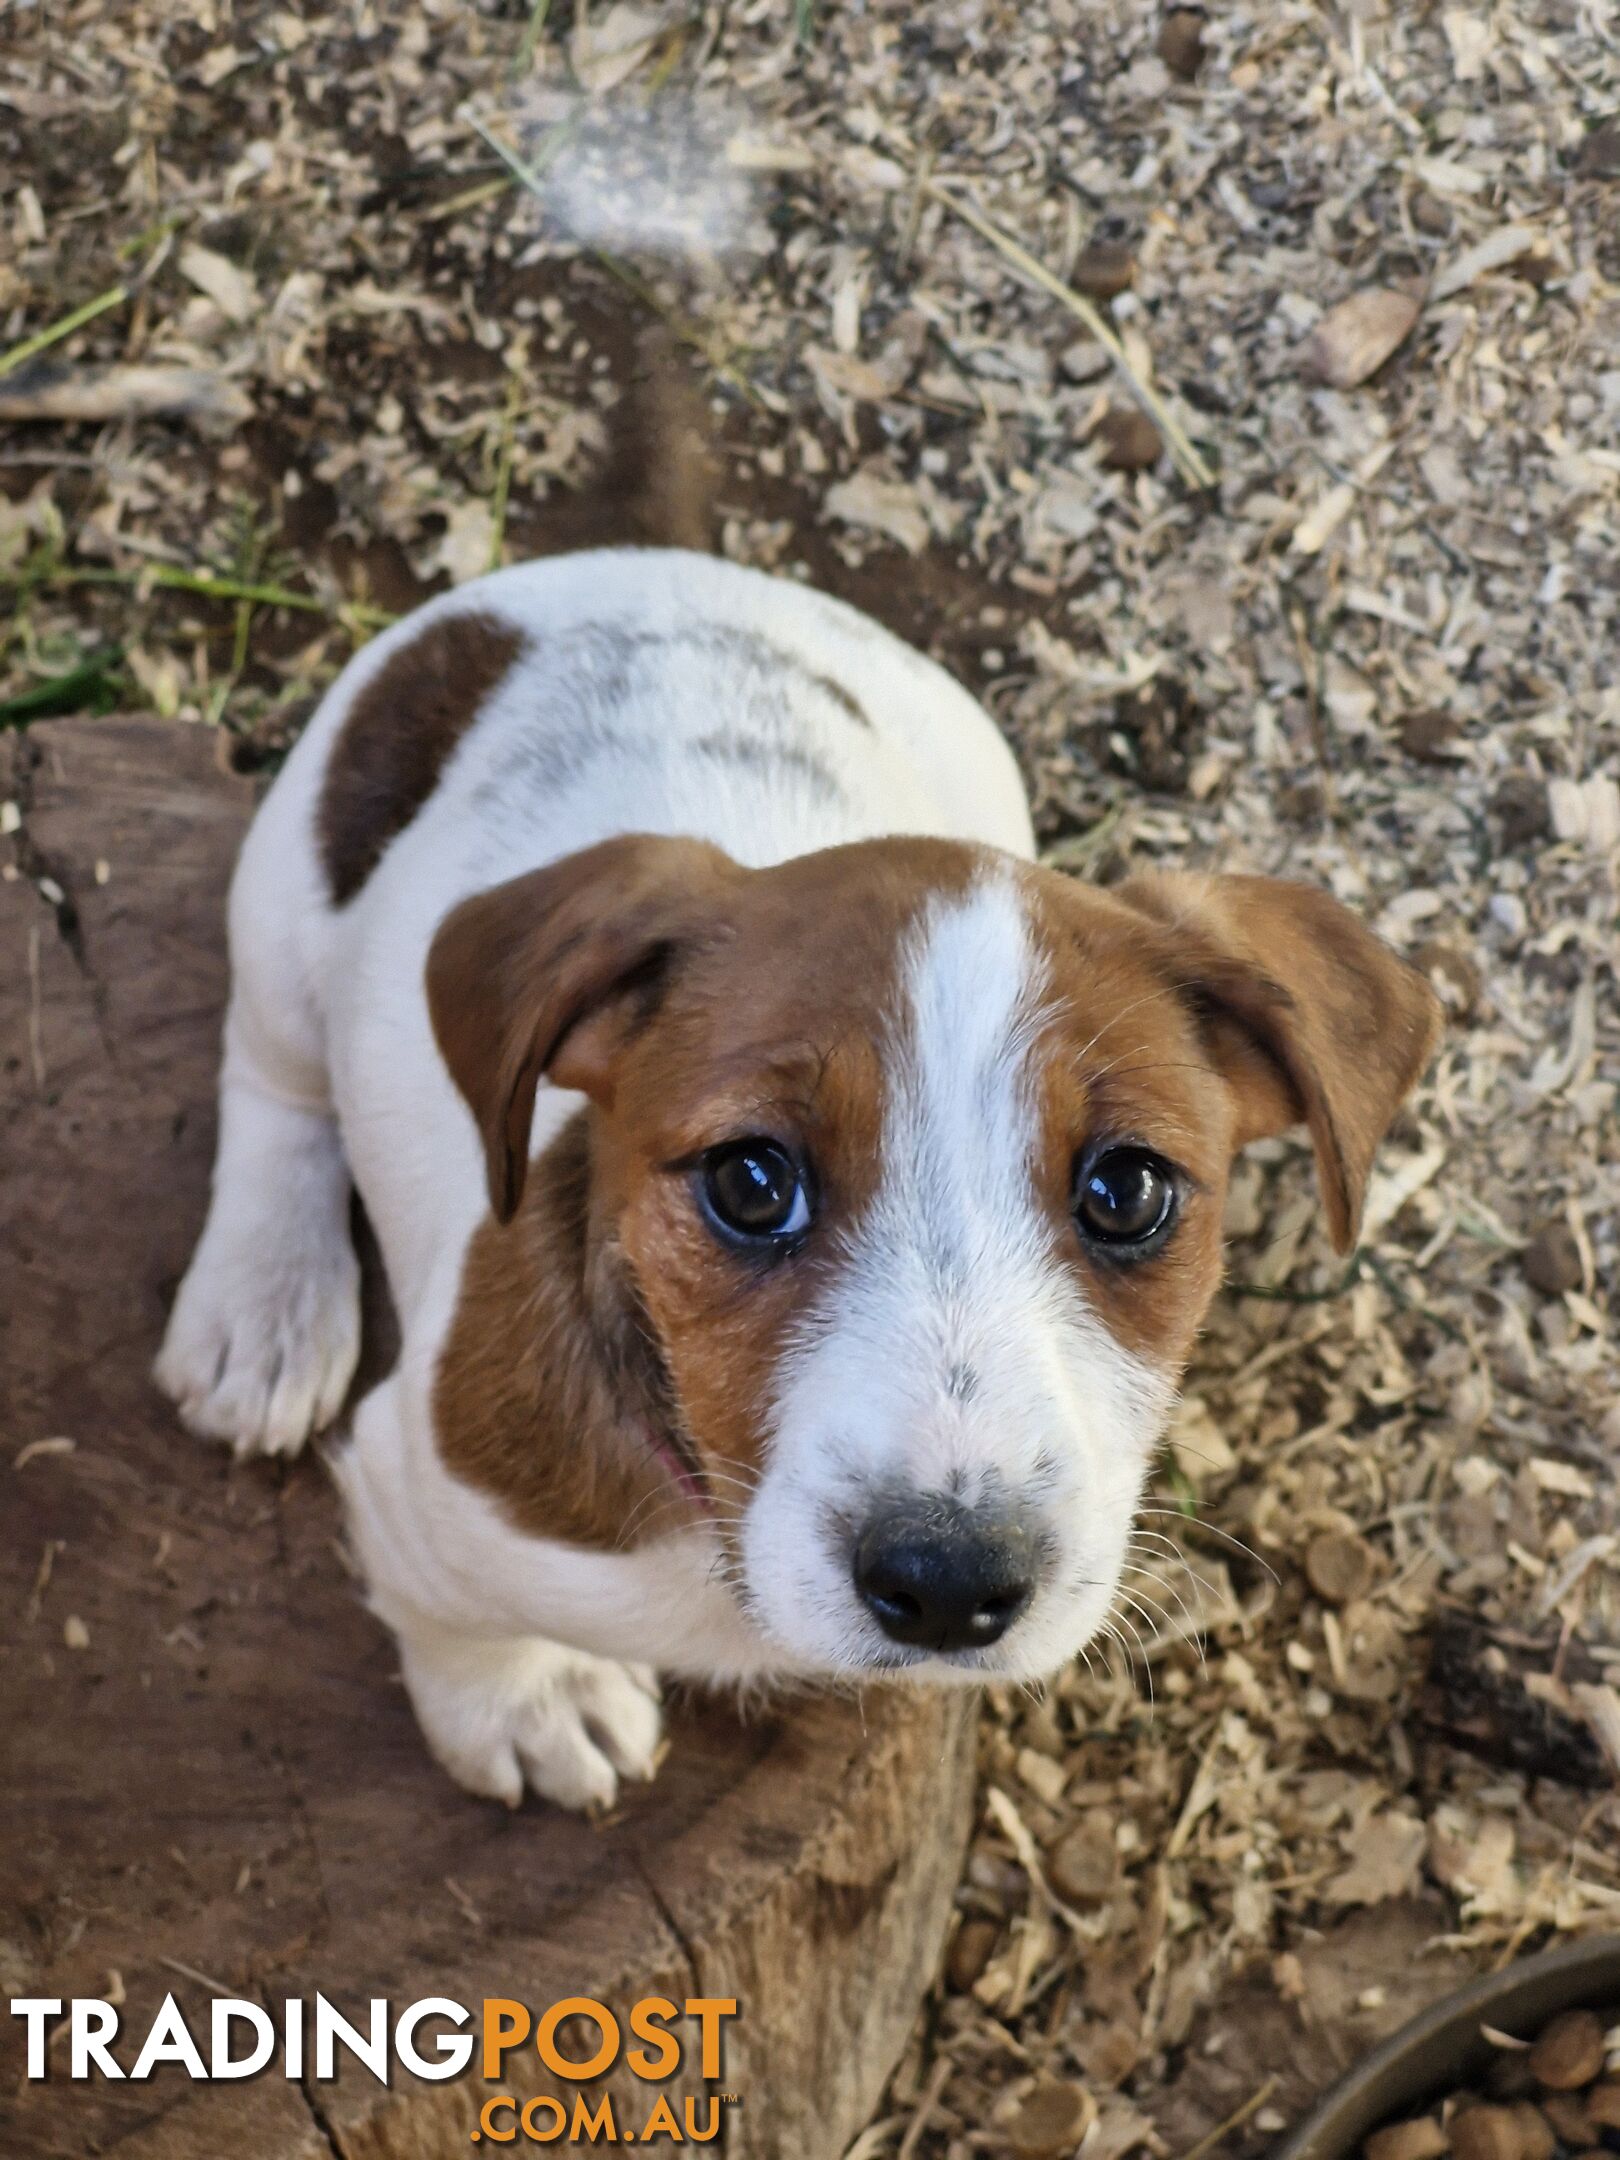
(1346, 607)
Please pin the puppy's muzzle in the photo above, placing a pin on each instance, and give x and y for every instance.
(937, 1576)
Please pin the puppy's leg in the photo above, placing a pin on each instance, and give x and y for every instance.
(499, 1704)
(262, 1342)
(265, 1332)
(502, 1713)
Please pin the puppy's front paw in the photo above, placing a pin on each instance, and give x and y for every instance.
(263, 1340)
(499, 1715)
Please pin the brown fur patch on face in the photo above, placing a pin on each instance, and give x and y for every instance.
(397, 735)
(775, 1031)
(1194, 1014)
(609, 1288)
(546, 1386)
(1119, 1061)
(1309, 1015)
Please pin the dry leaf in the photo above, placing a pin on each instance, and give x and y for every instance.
(1560, 1477)
(230, 289)
(60, 1444)
(1317, 527)
(1181, 42)
(1044, 1777)
(1122, 2128)
(1470, 37)
(463, 548)
(1127, 440)
(871, 381)
(1494, 252)
(878, 504)
(1103, 271)
(1600, 1706)
(1386, 1852)
(1201, 1449)
(1586, 811)
(607, 50)
(1474, 1859)
(1068, 507)
(1354, 339)
(1448, 176)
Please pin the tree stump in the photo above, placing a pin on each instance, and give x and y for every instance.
(209, 1776)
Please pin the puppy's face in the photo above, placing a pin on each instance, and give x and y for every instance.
(911, 1158)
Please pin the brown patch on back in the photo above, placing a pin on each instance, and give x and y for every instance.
(397, 735)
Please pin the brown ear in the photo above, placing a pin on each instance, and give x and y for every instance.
(1311, 1017)
(549, 973)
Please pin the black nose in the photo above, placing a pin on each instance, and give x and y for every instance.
(939, 1576)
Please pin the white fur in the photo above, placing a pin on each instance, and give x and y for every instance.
(328, 1034)
(953, 1278)
(265, 1332)
(497, 1711)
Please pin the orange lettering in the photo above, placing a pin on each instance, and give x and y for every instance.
(709, 2010)
(545, 2037)
(644, 2023)
(506, 2023)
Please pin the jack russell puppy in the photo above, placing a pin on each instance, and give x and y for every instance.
(799, 1207)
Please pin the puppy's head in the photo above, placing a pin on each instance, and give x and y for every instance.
(910, 1157)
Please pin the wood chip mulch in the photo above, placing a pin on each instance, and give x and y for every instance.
(1359, 264)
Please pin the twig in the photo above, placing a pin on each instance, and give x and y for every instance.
(1077, 851)
(53, 333)
(533, 30)
(469, 1910)
(931, 2098)
(202, 1979)
(503, 469)
(217, 588)
(1360, 1259)
(36, 1045)
(1252, 2106)
(1283, 1296)
(528, 171)
(914, 205)
(1188, 462)
(664, 66)
(468, 199)
(1386, 1278)
(1310, 669)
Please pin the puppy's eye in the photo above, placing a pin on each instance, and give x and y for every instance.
(1125, 1199)
(754, 1189)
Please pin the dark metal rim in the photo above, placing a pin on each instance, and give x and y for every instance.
(1441, 2047)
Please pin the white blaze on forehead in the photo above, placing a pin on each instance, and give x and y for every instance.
(957, 1262)
(963, 1111)
(955, 1352)
(959, 1129)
